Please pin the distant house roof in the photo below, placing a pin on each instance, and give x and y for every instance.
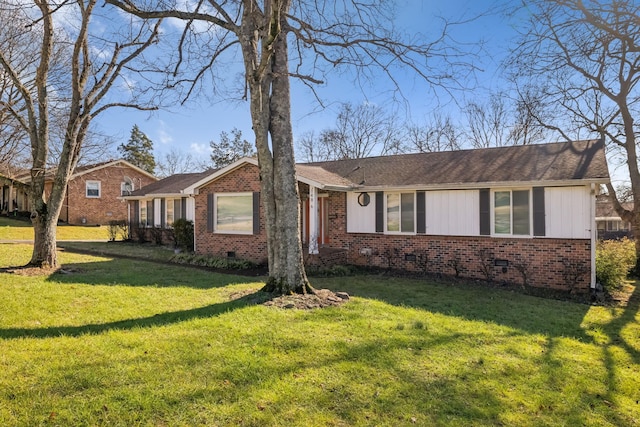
(543, 163)
(605, 210)
(171, 185)
(25, 176)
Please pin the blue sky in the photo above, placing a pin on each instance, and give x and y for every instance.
(190, 128)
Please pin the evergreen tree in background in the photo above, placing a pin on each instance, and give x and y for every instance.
(138, 150)
(230, 148)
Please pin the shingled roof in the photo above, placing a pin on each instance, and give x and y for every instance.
(554, 162)
(173, 184)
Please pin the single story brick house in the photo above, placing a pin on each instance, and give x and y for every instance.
(162, 202)
(520, 214)
(93, 192)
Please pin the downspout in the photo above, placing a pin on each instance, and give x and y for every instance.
(594, 233)
(67, 197)
(194, 221)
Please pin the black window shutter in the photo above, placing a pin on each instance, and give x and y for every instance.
(485, 212)
(183, 208)
(163, 210)
(421, 212)
(210, 207)
(177, 211)
(256, 213)
(379, 211)
(538, 212)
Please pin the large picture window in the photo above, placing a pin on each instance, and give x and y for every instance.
(401, 212)
(234, 213)
(511, 212)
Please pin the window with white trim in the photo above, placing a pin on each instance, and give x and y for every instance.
(169, 204)
(234, 213)
(126, 187)
(400, 212)
(512, 212)
(143, 213)
(92, 189)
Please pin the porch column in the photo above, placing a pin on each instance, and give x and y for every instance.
(313, 220)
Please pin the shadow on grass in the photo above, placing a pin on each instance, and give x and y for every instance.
(473, 302)
(614, 328)
(14, 222)
(127, 272)
(161, 319)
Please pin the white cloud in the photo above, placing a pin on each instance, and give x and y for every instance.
(164, 135)
(200, 148)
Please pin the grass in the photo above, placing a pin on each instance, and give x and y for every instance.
(13, 229)
(148, 251)
(120, 343)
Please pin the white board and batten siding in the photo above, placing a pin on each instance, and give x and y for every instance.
(360, 219)
(453, 213)
(568, 212)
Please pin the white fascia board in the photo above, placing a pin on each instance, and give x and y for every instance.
(192, 189)
(322, 186)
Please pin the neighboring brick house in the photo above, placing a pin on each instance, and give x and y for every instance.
(14, 199)
(609, 223)
(93, 193)
(509, 214)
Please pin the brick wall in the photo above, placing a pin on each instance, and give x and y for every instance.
(251, 247)
(107, 207)
(547, 263)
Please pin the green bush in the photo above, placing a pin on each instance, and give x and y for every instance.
(183, 232)
(213, 262)
(614, 260)
(333, 271)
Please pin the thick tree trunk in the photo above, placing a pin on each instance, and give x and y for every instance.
(44, 244)
(271, 118)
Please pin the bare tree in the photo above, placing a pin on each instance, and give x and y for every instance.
(176, 161)
(488, 123)
(437, 134)
(362, 131)
(13, 138)
(71, 70)
(529, 111)
(324, 36)
(311, 148)
(585, 57)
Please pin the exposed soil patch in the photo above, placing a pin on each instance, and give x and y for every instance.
(29, 271)
(322, 298)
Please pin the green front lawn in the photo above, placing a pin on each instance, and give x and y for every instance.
(13, 229)
(115, 342)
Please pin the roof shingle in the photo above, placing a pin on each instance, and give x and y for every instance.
(578, 160)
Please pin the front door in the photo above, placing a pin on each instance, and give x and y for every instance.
(323, 221)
